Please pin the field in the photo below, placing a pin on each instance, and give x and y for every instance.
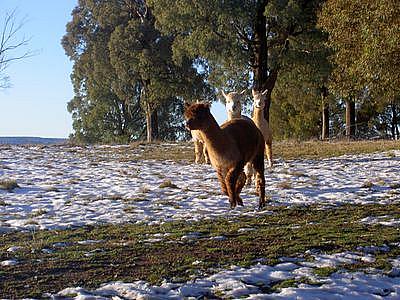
(142, 221)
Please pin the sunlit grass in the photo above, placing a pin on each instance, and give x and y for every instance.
(285, 150)
(123, 254)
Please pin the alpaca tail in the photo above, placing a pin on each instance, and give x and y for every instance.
(249, 171)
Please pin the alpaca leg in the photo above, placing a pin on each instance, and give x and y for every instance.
(239, 186)
(205, 154)
(198, 148)
(268, 152)
(260, 179)
(249, 171)
(221, 178)
(231, 181)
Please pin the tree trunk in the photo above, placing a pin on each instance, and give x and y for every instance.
(154, 125)
(350, 118)
(263, 79)
(325, 114)
(260, 54)
(325, 121)
(394, 127)
(149, 124)
(270, 84)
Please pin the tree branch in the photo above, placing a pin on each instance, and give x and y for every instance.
(9, 44)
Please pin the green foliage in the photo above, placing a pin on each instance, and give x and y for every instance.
(245, 43)
(297, 96)
(365, 36)
(136, 61)
(224, 34)
(123, 71)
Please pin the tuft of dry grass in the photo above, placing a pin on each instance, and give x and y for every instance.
(8, 184)
(395, 185)
(38, 213)
(367, 185)
(168, 184)
(284, 185)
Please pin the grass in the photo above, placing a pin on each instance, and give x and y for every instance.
(325, 271)
(125, 256)
(321, 149)
(285, 149)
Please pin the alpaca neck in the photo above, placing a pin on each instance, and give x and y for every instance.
(258, 115)
(233, 115)
(213, 135)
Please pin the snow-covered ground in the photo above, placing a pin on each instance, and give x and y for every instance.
(63, 186)
(250, 283)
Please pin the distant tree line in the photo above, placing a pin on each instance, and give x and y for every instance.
(331, 67)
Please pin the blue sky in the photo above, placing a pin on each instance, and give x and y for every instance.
(36, 103)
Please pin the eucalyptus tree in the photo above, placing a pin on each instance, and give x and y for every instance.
(123, 72)
(301, 101)
(237, 42)
(365, 38)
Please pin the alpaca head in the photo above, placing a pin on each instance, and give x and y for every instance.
(233, 102)
(259, 98)
(197, 116)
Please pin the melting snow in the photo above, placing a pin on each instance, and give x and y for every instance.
(251, 283)
(64, 186)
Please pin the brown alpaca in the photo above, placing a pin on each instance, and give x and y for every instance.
(233, 104)
(229, 148)
(261, 122)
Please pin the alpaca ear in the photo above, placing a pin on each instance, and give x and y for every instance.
(265, 92)
(223, 93)
(253, 92)
(242, 92)
(186, 104)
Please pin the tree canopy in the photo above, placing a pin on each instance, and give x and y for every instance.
(123, 73)
(365, 38)
(239, 43)
(136, 61)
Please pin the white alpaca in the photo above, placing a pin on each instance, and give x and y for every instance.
(261, 122)
(233, 104)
